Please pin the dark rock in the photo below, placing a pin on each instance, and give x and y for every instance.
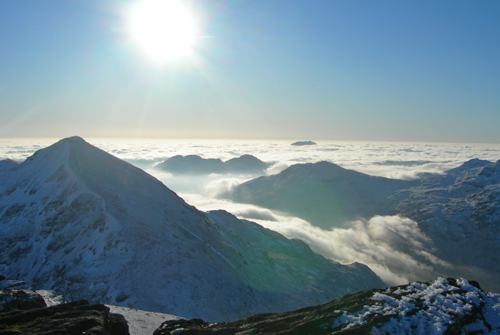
(20, 300)
(117, 324)
(78, 317)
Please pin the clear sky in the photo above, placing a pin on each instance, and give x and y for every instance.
(279, 69)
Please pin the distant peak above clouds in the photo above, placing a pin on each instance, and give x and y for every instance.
(302, 143)
(321, 170)
(322, 193)
(194, 164)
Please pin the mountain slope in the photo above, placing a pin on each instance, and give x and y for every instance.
(457, 212)
(322, 193)
(80, 221)
(460, 212)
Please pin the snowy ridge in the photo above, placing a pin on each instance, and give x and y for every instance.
(90, 226)
(430, 308)
(460, 212)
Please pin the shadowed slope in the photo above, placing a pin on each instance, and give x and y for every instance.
(322, 193)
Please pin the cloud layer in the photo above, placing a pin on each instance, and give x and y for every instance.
(392, 246)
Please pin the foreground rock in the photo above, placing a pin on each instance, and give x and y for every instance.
(444, 306)
(20, 300)
(77, 317)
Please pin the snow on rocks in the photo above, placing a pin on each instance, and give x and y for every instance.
(431, 308)
(141, 322)
(443, 306)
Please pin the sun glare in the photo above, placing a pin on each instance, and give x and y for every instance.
(164, 29)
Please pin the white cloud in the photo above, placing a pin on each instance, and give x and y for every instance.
(255, 213)
(276, 168)
(392, 246)
(370, 158)
(222, 184)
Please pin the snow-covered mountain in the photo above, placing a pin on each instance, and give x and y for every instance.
(82, 222)
(322, 193)
(458, 212)
(443, 306)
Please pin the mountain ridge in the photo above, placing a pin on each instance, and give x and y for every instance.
(83, 222)
(322, 193)
(196, 165)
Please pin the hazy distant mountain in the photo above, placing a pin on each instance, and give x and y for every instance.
(443, 306)
(193, 164)
(302, 143)
(80, 221)
(245, 164)
(322, 193)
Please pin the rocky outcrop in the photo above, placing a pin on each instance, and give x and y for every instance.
(444, 306)
(77, 317)
(20, 300)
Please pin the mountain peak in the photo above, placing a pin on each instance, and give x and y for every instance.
(74, 139)
(70, 141)
(321, 171)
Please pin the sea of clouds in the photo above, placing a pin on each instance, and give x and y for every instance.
(392, 246)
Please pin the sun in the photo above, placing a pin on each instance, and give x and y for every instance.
(163, 29)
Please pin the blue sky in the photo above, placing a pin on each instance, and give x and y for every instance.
(281, 69)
